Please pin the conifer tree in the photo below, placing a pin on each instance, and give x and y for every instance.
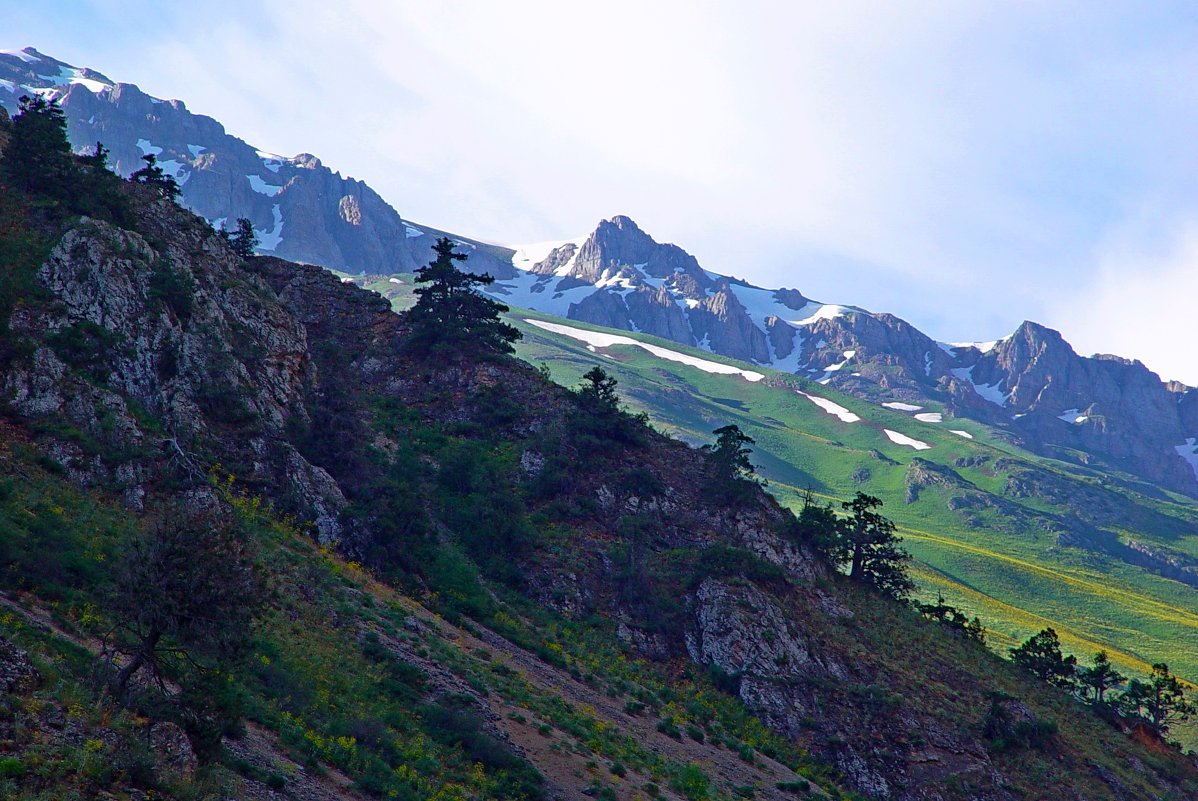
(868, 543)
(155, 176)
(1041, 656)
(732, 475)
(38, 157)
(451, 316)
(1096, 680)
(1160, 701)
(244, 239)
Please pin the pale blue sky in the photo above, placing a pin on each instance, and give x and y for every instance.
(965, 165)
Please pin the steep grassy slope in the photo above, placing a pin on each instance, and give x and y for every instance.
(477, 583)
(992, 526)
(996, 547)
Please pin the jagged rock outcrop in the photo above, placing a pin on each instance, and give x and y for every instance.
(181, 331)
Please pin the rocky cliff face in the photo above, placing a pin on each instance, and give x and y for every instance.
(174, 333)
(302, 210)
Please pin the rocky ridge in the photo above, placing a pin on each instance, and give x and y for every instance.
(1101, 409)
(301, 210)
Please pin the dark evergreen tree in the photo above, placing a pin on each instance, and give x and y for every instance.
(451, 317)
(729, 456)
(731, 474)
(97, 159)
(601, 420)
(1041, 656)
(1160, 701)
(598, 392)
(38, 157)
(154, 176)
(867, 542)
(949, 615)
(1096, 680)
(244, 239)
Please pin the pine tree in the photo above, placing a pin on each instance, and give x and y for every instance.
(1160, 701)
(243, 240)
(732, 475)
(452, 317)
(38, 157)
(1041, 656)
(868, 543)
(154, 176)
(1096, 680)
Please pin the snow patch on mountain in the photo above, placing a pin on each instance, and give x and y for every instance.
(270, 161)
(988, 392)
(831, 407)
(270, 240)
(903, 439)
(539, 292)
(1188, 450)
(528, 256)
(985, 347)
(1072, 416)
(960, 433)
(263, 188)
(411, 232)
(930, 417)
(196, 150)
(148, 149)
(28, 58)
(902, 407)
(9, 85)
(175, 169)
(600, 339)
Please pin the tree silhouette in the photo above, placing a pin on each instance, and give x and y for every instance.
(38, 157)
(867, 542)
(1160, 700)
(732, 475)
(154, 176)
(1041, 656)
(243, 239)
(1101, 677)
(451, 317)
(185, 593)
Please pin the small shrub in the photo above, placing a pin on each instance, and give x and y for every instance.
(666, 726)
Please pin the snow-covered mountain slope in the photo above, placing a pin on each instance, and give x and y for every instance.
(302, 210)
(1031, 383)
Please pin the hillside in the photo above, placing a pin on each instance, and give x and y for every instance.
(1022, 541)
(474, 582)
(1101, 412)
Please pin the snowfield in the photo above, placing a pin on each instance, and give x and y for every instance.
(902, 407)
(831, 407)
(903, 439)
(598, 339)
(1188, 450)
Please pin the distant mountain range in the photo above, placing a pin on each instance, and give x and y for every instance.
(1101, 410)
(302, 210)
